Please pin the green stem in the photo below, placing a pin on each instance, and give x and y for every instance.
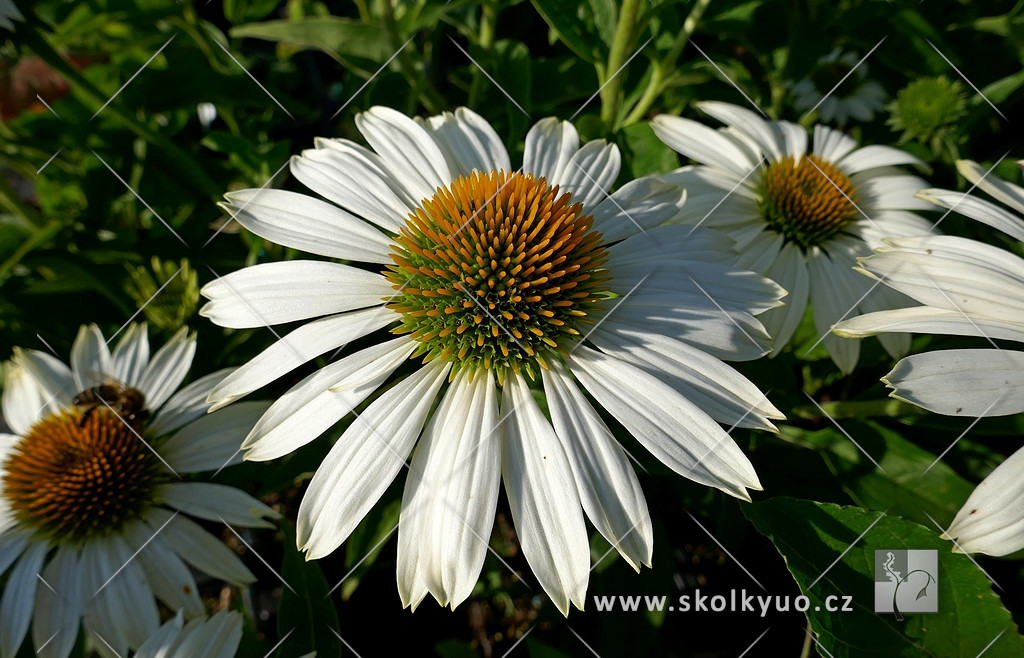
(428, 94)
(38, 237)
(621, 51)
(488, 18)
(181, 163)
(15, 204)
(659, 78)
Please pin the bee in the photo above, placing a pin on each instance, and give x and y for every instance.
(127, 402)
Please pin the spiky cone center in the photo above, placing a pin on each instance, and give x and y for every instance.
(75, 475)
(807, 200)
(497, 270)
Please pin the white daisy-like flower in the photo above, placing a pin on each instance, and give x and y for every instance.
(496, 279)
(8, 14)
(93, 507)
(856, 97)
(216, 637)
(801, 218)
(967, 288)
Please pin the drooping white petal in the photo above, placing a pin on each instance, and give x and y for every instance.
(928, 320)
(790, 271)
(354, 178)
(992, 519)
(451, 494)
(365, 460)
(469, 142)
(542, 494)
(750, 124)
(272, 293)
(52, 376)
(131, 355)
(98, 619)
(834, 296)
(1001, 190)
(24, 401)
(871, 157)
(967, 383)
(671, 427)
(702, 144)
(90, 358)
(638, 206)
(300, 346)
(58, 611)
(550, 144)
(406, 149)
(186, 405)
(718, 389)
(590, 173)
(978, 209)
(889, 190)
(213, 441)
(303, 222)
(197, 546)
(169, 578)
(168, 368)
(832, 145)
(323, 398)
(19, 597)
(12, 545)
(115, 585)
(607, 486)
(216, 502)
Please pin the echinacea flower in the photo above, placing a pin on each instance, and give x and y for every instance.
(497, 280)
(93, 506)
(839, 88)
(216, 637)
(800, 218)
(967, 288)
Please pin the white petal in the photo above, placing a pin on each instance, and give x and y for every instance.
(53, 377)
(834, 295)
(115, 586)
(671, 427)
(161, 643)
(451, 494)
(749, 123)
(871, 157)
(131, 355)
(186, 405)
(167, 575)
(217, 637)
(889, 192)
(790, 271)
(19, 598)
(355, 179)
(978, 209)
(407, 150)
(300, 346)
(928, 320)
(90, 358)
(365, 460)
(992, 519)
(272, 293)
(12, 545)
(168, 368)
(216, 502)
(301, 222)
(590, 173)
(24, 401)
(550, 145)
(324, 398)
(969, 383)
(718, 389)
(637, 206)
(705, 145)
(99, 620)
(198, 547)
(792, 136)
(213, 441)
(607, 486)
(469, 142)
(832, 145)
(1001, 190)
(58, 612)
(543, 497)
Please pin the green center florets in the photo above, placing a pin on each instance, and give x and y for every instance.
(806, 204)
(497, 270)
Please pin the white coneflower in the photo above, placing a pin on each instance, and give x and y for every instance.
(496, 279)
(8, 14)
(801, 218)
(93, 508)
(856, 96)
(968, 288)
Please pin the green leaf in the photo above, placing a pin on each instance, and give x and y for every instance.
(580, 35)
(365, 543)
(812, 536)
(644, 153)
(350, 42)
(902, 487)
(305, 613)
